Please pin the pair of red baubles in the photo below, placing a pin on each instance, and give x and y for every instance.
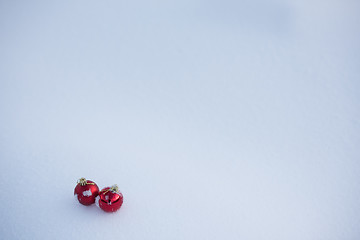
(108, 199)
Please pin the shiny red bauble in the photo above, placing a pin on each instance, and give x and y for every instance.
(110, 199)
(86, 191)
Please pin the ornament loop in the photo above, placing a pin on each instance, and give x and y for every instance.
(82, 181)
(114, 188)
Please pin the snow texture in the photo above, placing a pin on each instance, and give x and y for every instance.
(217, 119)
(87, 193)
(97, 201)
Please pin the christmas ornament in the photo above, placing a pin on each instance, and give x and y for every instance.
(86, 191)
(110, 199)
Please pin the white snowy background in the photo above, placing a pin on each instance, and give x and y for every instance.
(217, 119)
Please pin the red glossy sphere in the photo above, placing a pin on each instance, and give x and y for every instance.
(86, 192)
(110, 200)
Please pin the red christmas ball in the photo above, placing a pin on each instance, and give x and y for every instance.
(86, 191)
(110, 199)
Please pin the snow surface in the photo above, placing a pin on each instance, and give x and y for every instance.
(217, 119)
